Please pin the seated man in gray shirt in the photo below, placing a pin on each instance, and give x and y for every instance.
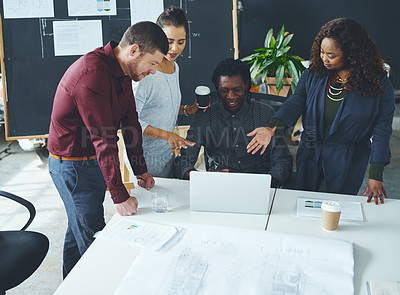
(222, 130)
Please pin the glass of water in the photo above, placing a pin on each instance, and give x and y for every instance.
(160, 201)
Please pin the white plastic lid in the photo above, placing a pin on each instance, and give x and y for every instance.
(331, 206)
(202, 90)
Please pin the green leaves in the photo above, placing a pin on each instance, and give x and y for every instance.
(293, 71)
(282, 51)
(249, 58)
(268, 38)
(273, 60)
(287, 39)
(264, 68)
(279, 38)
(279, 76)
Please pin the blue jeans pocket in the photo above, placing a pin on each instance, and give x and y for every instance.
(63, 174)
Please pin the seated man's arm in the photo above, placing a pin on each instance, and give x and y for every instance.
(281, 159)
(188, 158)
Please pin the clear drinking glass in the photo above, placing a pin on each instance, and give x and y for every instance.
(160, 201)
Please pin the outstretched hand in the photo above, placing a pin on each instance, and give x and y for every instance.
(262, 138)
(176, 142)
(376, 190)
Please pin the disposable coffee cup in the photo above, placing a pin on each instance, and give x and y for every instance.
(330, 215)
(202, 96)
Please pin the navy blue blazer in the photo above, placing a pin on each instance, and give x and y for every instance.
(362, 128)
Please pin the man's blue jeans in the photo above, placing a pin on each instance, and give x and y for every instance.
(82, 188)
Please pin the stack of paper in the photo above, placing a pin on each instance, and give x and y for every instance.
(139, 233)
(351, 211)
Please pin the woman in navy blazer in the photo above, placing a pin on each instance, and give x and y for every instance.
(347, 104)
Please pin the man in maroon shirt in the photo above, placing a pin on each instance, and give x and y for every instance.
(93, 100)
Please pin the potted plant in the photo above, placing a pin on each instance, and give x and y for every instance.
(273, 60)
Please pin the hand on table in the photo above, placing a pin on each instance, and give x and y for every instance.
(127, 208)
(145, 180)
(376, 190)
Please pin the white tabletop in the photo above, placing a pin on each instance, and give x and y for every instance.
(103, 266)
(180, 212)
(376, 241)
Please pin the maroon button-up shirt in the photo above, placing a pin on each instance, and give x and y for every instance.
(93, 100)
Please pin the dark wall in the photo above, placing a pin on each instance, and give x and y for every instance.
(209, 40)
(32, 70)
(304, 18)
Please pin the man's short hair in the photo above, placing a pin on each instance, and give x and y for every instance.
(230, 67)
(148, 36)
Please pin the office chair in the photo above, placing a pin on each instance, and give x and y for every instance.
(21, 252)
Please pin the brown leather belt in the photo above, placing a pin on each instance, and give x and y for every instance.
(62, 158)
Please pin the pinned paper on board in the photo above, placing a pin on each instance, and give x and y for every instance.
(76, 37)
(28, 8)
(148, 12)
(92, 7)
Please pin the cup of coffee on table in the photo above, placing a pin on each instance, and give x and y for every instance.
(330, 215)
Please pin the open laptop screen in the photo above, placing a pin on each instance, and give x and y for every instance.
(230, 192)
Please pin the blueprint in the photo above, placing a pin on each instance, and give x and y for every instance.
(222, 260)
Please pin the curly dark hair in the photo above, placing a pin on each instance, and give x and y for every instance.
(231, 67)
(362, 56)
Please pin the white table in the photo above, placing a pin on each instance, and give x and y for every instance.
(180, 211)
(103, 266)
(376, 241)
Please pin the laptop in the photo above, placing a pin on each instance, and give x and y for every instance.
(230, 192)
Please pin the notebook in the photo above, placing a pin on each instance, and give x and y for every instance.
(230, 192)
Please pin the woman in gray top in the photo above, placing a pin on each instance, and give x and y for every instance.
(158, 100)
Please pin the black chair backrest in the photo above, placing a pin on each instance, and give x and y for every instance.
(27, 204)
(268, 97)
